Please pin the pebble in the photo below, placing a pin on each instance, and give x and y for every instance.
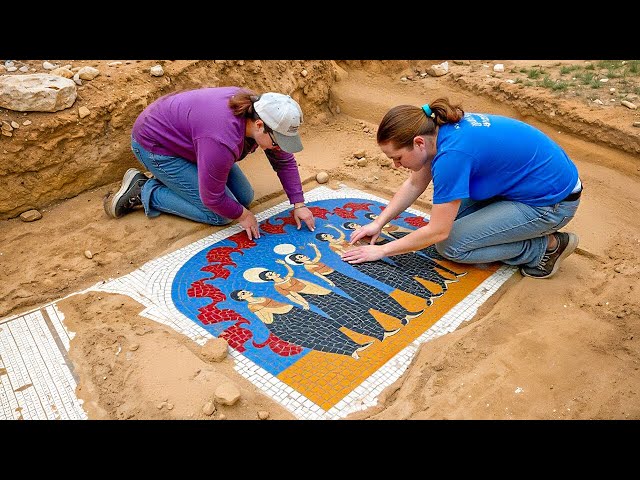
(156, 71)
(15, 124)
(304, 73)
(263, 414)
(628, 104)
(208, 408)
(24, 69)
(322, 177)
(30, 216)
(83, 112)
(88, 254)
(26, 122)
(227, 394)
(636, 124)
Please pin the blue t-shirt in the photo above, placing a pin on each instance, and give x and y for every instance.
(484, 156)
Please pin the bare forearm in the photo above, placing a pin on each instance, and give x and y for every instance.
(408, 193)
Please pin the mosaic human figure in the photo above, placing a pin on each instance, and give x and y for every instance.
(346, 312)
(303, 328)
(396, 231)
(380, 270)
(375, 298)
(414, 264)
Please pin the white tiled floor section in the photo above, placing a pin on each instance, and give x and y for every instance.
(36, 376)
(39, 382)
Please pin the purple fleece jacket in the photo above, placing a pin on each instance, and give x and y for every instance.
(199, 126)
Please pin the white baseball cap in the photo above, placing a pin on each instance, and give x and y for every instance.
(283, 115)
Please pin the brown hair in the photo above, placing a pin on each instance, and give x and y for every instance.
(242, 103)
(403, 123)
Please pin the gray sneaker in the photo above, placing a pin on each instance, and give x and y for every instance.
(128, 197)
(567, 243)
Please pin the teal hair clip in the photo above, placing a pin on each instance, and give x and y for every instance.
(427, 109)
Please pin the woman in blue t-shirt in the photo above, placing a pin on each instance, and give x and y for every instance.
(501, 189)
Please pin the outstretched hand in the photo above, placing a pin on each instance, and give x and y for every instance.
(364, 253)
(249, 223)
(303, 214)
(368, 230)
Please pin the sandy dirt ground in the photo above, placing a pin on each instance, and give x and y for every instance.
(562, 348)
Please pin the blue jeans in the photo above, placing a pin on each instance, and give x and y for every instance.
(500, 230)
(174, 188)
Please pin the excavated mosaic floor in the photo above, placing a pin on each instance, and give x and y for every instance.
(318, 335)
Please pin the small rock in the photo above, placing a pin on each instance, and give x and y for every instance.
(498, 67)
(15, 124)
(26, 123)
(49, 66)
(160, 405)
(6, 127)
(134, 346)
(208, 409)
(630, 105)
(12, 69)
(227, 394)
(362, 162)
(170, 406)
(263, 414)
(604, 80)
(636, 124)
(222, 416)
(24, 69)
(597, 101)
(76, 78)
(30, 216)
(62, 72)
(156, 71)
(114, 64)
(439, 69)
(304, 73)
(88, 73)
(215, 349)
(359, 153)
(83, 112)
(322, 177)
(88, 254)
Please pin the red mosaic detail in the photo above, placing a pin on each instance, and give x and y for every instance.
(236, 336)
(269, 227)
(320, 212)
(242, 240)
(211, 314)
(217, 271)
(278, 346)
(416, 221)
(349, 208)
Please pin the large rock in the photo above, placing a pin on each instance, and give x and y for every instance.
(38, 92)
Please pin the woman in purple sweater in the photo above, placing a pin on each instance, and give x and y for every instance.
(191, 142)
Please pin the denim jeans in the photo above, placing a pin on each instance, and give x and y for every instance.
(500, 230)
(174, 188)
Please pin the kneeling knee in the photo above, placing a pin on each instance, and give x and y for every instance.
(447, 250)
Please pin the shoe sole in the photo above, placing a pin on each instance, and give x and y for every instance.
(110, 207)
(571, 246)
